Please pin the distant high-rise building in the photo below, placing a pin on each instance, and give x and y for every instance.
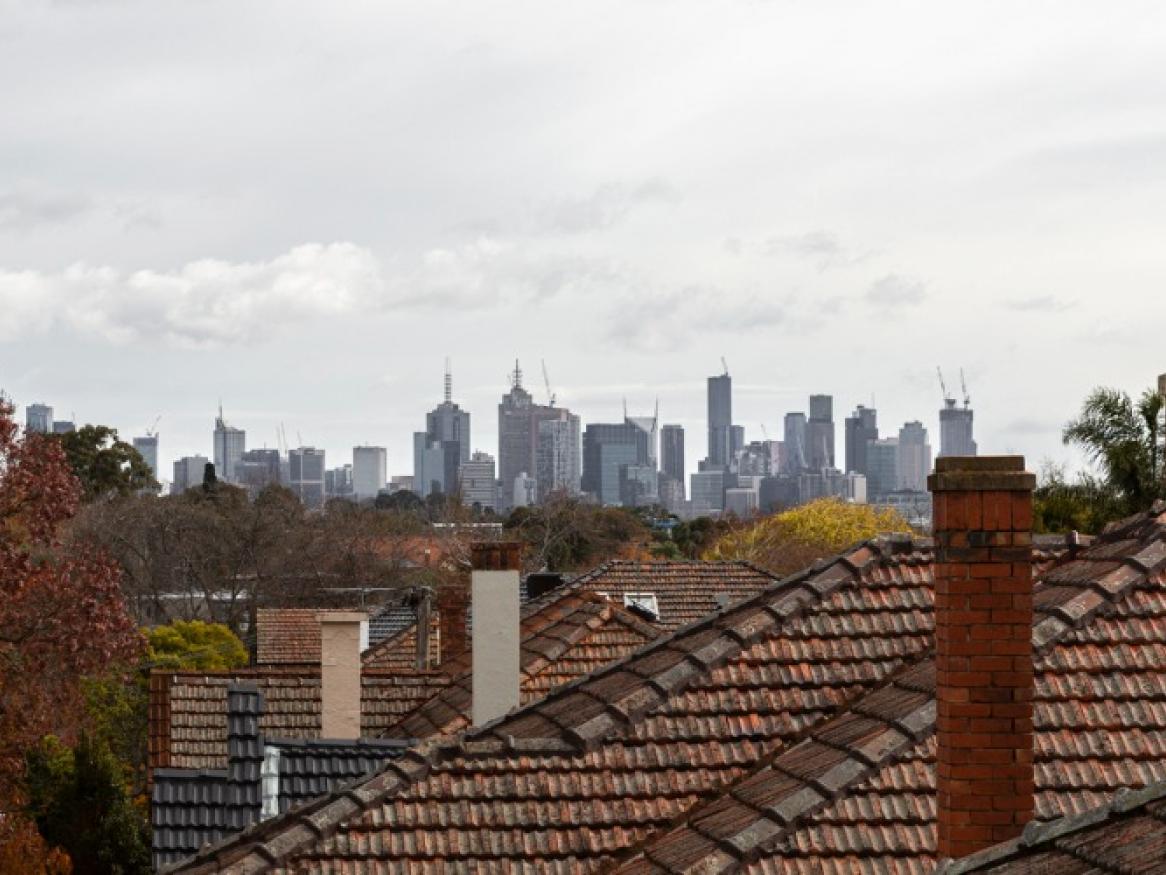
(820, 433)
(306, 475)
(720, 419)
(914, 462)
(650, 426)
(525, 492)
(39, 418)
(742, 501)
(338, 482)
(478, 484)
(882, 468)
(189, 471)
(606, 448)
(443, 446)
(147, 448)
(861, 426)
(672, 494)
(638, 485)
(955, 430)
(557, 467)
(259, 469)
(736, 440)
(795, 442)
(708, 491)
(370, 471)
(672, 454)
(64, 426)
(230, 443)
(518, 434)
(759, 459)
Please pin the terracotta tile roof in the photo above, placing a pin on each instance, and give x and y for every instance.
(567, 638)
(794, 722)
(1126, 836)
(287, 636)
(686, 591)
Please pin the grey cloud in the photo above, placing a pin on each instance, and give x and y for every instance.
(606, 206)
(823, 248)
(895, 291)
(203, 303)
(1041, 303)
(23, 207)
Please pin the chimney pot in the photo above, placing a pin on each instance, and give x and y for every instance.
(983, 536)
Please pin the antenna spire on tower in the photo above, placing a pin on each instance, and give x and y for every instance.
(516, 377)
(448, 382)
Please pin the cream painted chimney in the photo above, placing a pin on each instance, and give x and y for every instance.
(343, 637)
(494, 606)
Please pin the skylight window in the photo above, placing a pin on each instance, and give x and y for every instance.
(643, 601)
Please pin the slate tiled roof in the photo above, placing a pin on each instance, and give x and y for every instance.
(1127, 836)
(190, 808)
(790, 732)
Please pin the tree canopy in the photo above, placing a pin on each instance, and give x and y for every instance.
(193, 644)
(789, 541)
(104, 464)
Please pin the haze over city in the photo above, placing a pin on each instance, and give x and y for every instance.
(780, 185)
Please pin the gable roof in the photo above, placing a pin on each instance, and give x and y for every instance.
(743, 740)
(686, 590)
(287, 636)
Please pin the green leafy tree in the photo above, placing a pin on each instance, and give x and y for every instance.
(78, 801)
(104, 464)
(1121, 437)
(565, 534)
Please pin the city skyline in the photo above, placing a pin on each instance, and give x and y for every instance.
(485, 438)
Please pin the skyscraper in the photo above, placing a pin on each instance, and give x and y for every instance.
(720, 419)
(606, 448)
(955, 429)
(557, 465)
(230, 443)
(649, 425)
(518, 434)
(39, 418)
(672, 455)
(820, 433)
(794, 442)
(306, 475)
(147, 448)
(882, 468)
(861, 427)
(259, 469)
(188, 472)
(370, 471)
(914, 461)
(443, 446)
(477, 483)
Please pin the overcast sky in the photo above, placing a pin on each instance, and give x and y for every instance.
(301, 209)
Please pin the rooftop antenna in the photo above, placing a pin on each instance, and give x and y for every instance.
(448, 382)
(964, 389)
(516, 377)
(625, 408)
(547, 380)
(725, 365)
(656, 415)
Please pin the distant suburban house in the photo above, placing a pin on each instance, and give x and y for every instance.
(907, 702)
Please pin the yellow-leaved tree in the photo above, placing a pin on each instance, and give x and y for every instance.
(789, 541)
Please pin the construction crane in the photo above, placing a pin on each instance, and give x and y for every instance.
(547, 381)
(964, 389)
(725, 365)
(152, 431)
(947, 399)
(764, 431)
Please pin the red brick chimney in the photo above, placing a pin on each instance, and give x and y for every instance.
(453, 605)
(983, 639)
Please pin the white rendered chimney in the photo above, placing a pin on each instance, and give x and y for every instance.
(343, 637)
(494, 607)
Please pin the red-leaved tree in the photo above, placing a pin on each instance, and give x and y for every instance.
(62, 616)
